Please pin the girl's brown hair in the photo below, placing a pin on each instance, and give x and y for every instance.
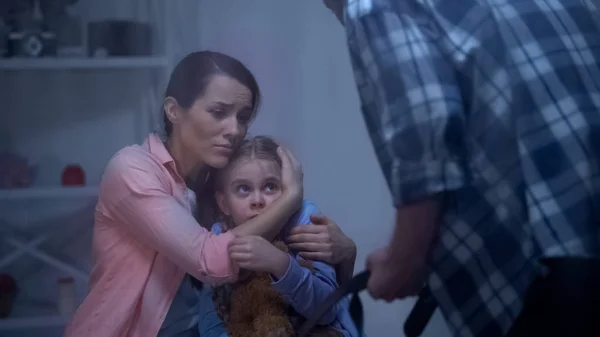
(257, 147)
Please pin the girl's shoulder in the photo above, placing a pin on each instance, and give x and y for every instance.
(302, 217)
(217, 228)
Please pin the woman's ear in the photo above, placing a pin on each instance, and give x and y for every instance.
(221, 202)
(172, 109)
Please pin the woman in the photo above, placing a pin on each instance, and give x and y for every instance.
(145, 237)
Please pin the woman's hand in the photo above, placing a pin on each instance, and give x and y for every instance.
(257, 254)
(291, 174)
(323, 240)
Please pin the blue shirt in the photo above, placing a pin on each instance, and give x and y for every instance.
(303, 290)
(494, 104)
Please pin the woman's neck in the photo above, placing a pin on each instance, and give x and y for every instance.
(186, 165)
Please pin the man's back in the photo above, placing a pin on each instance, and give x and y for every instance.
(499, 103)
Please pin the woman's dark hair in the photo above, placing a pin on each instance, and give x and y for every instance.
(193, 73)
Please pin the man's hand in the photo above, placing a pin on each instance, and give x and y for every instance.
(390, 279)
(400, 269)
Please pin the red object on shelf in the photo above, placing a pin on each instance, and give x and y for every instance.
(73, 175)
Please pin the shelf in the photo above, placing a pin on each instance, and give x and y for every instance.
(33, 322)
(50, 63)
(49, 193)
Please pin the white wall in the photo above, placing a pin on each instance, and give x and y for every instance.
(297, 51)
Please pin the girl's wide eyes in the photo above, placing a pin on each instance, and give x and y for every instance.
(243, 189)
(270, 187)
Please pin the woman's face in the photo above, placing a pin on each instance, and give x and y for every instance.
(217, 121)
(249, 187)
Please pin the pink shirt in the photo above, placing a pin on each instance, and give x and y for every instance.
(145, 240)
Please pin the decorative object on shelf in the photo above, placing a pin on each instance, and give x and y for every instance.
(4, 30)
(66, 297)
(73, 175)
(86, 63)
(119, 38)
(8, 293)
(15, 171)
(67, 26)
(29, 35)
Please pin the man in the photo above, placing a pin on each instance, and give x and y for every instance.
(485, 117)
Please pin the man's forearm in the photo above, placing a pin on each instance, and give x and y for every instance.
(417, 225)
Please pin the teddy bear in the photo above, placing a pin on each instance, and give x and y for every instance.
(251, 307)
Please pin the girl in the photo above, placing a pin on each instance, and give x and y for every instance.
(244, 189)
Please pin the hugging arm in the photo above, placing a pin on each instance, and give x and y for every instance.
(145, 207)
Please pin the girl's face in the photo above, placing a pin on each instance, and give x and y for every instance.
(249, 186)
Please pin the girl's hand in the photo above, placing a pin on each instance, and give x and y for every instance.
(257, 254)
(291, 174)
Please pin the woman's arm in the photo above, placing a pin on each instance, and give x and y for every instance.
(136, 196)
(269, 223)
(345, 270)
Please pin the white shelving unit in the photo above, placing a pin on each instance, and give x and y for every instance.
(53, 63)
(160, 66)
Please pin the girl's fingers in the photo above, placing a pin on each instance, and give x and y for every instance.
(239, 257)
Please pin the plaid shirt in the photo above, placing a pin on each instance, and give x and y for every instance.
(497, 103)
